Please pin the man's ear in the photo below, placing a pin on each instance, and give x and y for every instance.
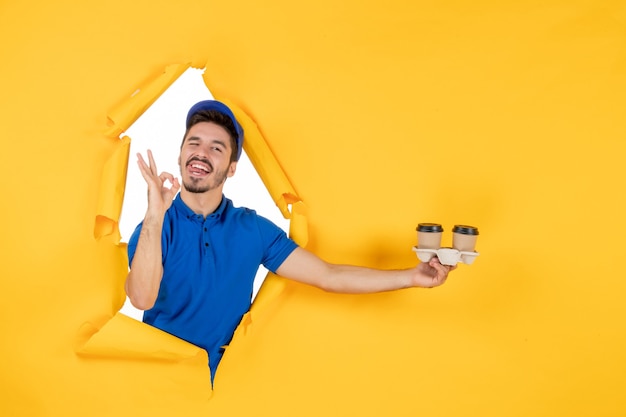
(232, 168)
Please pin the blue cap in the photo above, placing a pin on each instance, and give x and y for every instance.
(221, 108)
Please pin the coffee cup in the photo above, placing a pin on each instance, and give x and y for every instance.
(464, 238)
(429, 235)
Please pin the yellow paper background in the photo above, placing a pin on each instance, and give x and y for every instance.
(508, 116)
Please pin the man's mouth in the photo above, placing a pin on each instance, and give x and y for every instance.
(198, 167)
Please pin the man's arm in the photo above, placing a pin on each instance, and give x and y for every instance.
(146, 270)
(303, 266)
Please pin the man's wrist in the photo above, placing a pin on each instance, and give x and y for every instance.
(154, 217)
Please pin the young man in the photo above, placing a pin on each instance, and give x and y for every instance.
(194, 257)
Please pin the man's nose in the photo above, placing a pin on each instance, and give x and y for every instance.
(201, 152)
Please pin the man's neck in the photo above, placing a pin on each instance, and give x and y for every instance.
(202, 203)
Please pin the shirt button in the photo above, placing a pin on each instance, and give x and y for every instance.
(205, 229)
(206, 244)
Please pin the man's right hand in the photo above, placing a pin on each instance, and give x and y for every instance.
(160, 196)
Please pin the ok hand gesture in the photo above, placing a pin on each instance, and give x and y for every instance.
(159, 196)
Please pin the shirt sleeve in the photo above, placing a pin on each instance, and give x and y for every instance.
(278, 246)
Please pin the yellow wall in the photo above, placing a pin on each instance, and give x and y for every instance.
(506, 116)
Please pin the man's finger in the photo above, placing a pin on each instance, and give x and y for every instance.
(144, 169)
(166, 176)
(153, 167)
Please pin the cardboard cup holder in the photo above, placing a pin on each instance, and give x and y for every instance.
(447, 256)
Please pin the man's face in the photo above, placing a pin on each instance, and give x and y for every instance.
(205, 158)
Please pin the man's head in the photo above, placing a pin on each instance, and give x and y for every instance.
(216, 112)
(210, 148)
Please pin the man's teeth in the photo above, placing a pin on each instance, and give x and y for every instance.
(199, 167)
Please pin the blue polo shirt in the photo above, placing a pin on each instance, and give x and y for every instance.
(209, 265)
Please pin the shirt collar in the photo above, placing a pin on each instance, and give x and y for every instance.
(180, 205)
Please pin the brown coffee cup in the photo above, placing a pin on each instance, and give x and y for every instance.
(464, 238)
(429, 235)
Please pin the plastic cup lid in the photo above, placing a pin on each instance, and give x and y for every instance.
(429, 227)
(465, 230)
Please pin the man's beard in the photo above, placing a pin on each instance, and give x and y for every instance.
(193, 184)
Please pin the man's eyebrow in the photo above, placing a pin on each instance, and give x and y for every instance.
(212, 141)
(218, 142)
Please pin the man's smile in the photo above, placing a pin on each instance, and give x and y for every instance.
(199, 167)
